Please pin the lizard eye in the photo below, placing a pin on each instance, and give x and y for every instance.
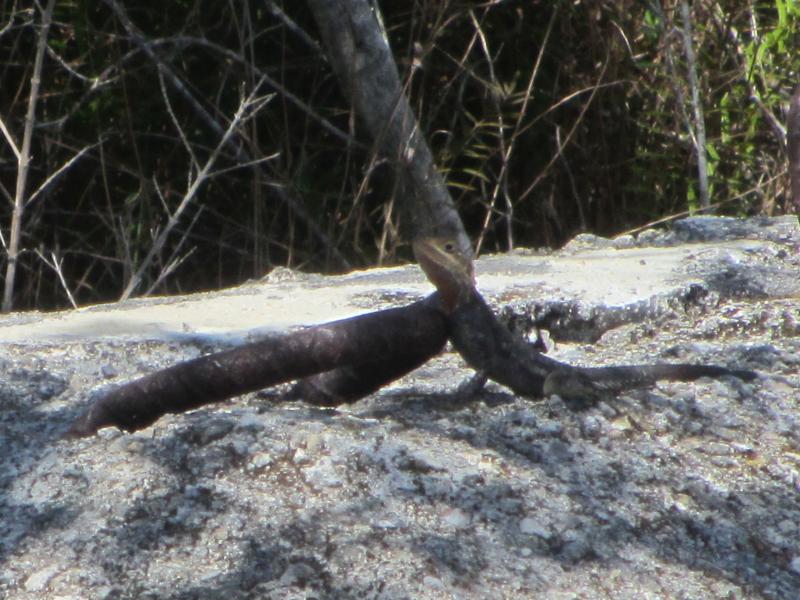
(449, 247)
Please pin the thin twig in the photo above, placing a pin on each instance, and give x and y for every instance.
(7, 195)
(543, 173)
(755, 95)
(572, 185)
(294, 27)
(250, 104)
(55, 264)
(138, 38)
(499, 183)
(568, 98)
(292, 98)
(8, 25)
(9, 138)
(245, 165)
(56, 57)
(99, 82)
(168, 104)
(503, 176)
(54, 176)
(670, 62)
(173, 263)
(689, 212)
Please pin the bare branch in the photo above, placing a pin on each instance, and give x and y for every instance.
(8, 25)
(56, 57)
(244, 165)
(52, 178)
(248, 105)
(294, 27)
(7, 195)
(168, 104)
(508, 211)
(173, 263)
(363, 62)
(55, 263)
(9, 138)
(292, 98)
(568, 138)
(137, 37)
(747, 80)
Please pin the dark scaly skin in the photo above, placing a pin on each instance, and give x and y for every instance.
(489, 347)
(448, 265)
(396, 340)
(354, 381)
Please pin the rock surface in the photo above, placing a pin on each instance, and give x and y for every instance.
(687, 490)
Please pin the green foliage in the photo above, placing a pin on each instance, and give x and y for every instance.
(600, 140)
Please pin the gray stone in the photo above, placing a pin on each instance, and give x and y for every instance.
(686, 490)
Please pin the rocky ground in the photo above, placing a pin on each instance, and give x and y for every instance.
(689, 490)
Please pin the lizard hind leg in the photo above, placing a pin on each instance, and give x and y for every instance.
(575, 387)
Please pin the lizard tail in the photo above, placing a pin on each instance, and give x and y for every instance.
(586, 385)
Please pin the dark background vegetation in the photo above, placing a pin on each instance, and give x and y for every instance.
(548, 118)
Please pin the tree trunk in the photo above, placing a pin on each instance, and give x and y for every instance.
(360, 55)
(793, 147)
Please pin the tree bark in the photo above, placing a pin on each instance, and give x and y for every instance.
(24, 161)
(793, 147)
(699, 132)
(365, 67)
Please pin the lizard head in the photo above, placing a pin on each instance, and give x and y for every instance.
(448, 265)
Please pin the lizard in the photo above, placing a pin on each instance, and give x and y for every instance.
(345, 360)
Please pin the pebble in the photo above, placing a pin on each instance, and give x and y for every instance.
(530, 526)
(37, 581)
(456, 518)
